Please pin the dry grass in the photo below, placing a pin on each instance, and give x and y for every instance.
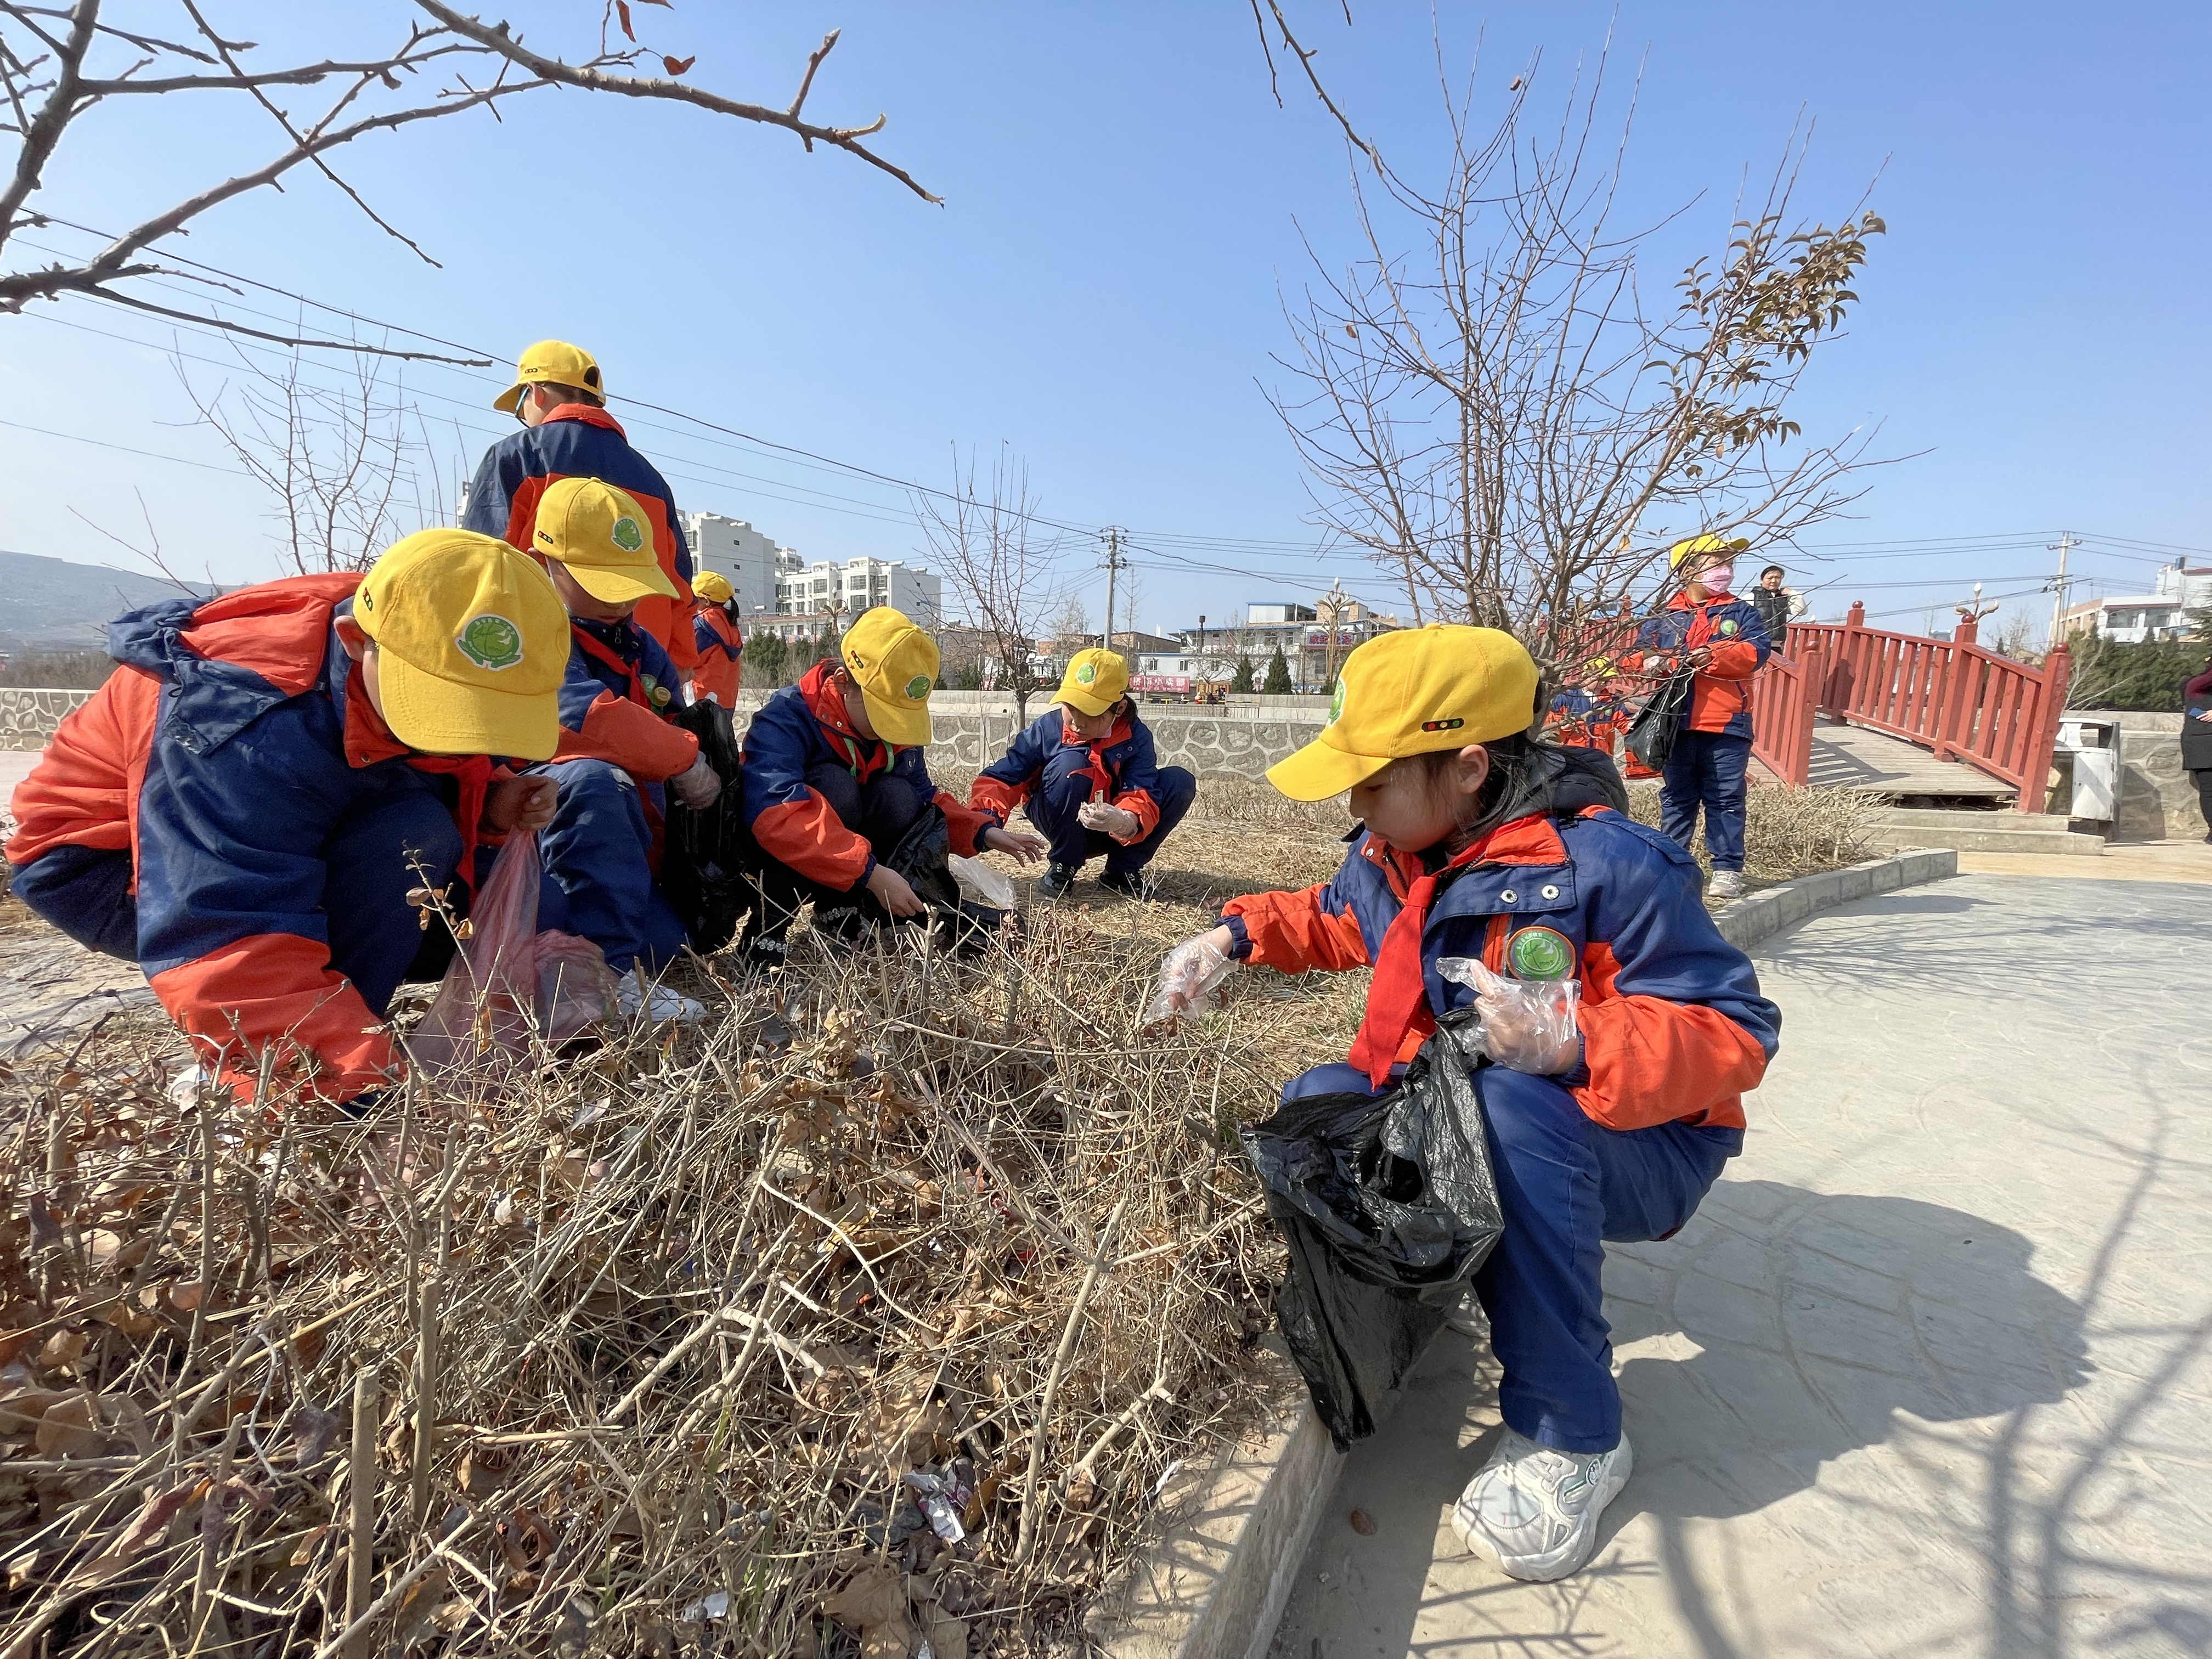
(648, 1336)
(1789, 832)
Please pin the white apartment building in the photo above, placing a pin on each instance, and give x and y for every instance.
(2130, 619)
(846, 589)
(739, 552)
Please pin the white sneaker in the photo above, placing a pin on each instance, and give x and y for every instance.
(661, 1005)
(1534, 1511)
(1726, 884)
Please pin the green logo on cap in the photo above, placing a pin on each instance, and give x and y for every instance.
(1539, 953)
(917, 688)
(1336, 704)
(1087, 674)
(490, 641)
(627, 536)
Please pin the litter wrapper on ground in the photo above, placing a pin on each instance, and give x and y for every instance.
(1388, 1204)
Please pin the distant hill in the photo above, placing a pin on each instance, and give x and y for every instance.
(53, 604)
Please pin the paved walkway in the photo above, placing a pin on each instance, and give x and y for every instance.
(1927, 1374)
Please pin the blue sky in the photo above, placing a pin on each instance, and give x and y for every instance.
(1124, 203)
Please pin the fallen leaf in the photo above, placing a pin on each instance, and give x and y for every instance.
(72, 1428)
(62, 1348)
(1362, 1522)
(572, 1627)
(186, 1297)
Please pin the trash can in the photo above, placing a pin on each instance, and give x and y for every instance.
(2091, 750)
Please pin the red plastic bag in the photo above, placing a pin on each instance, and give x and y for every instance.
(511, 987)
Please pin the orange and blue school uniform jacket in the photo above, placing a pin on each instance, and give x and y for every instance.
(222, 753)
(617, 700)
(1720, 695)
(719, 645)
(1123, 768)
(582, 440)
(1673, 1023)
(805, 726)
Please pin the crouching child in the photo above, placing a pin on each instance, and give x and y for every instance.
(834, 778)
(1477, 841)
(243, 808)
(1086, 775)
(619, 754)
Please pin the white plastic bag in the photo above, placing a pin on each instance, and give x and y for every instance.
(1526, 1025)
(1189, 974)
(980, 883)
(511, 985)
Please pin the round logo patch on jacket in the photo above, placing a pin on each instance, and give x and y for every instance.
(1539, 953)
(1726, 626)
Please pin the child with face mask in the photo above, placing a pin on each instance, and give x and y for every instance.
(1704, 627)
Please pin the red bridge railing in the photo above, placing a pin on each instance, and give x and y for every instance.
(1783, 697)
(1952, 697)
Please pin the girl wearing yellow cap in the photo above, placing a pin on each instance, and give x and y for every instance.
(1480, 843)
(720, 644)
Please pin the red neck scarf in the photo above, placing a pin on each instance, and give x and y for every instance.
(369, 740)
(1398, 998)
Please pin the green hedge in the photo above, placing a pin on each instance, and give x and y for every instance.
(2110, 675)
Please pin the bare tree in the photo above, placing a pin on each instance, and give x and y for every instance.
(982, 541)
(1485, 403)
(351, 465)
(58, 64)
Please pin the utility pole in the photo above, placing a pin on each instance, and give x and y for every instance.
(2058, 602)
(1113, 569)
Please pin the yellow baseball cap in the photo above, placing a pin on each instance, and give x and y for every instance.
(895, 664)
(1682, 550)
(714, 586)
(605, 537)
(556, 360)
(1413, 692)
(1094, 681)
(472, 645)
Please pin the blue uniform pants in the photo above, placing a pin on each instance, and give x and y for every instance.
(1707, 768)
(1566, 1184)
(400, 841)
(1064, 787)
(598, 877)
(880, 811)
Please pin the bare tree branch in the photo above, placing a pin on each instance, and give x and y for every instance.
(980, 543)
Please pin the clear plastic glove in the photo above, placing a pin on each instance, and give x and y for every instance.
(1189, 974)
(1526, 1025)
(1115, 821)
(697, 785)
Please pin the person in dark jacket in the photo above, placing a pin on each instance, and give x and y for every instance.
(560, 397)
(1721, 639)
(1475, 842)
(1086, 775)
(244, 806)
(2197, 739)
(1775, 603)
(834, 777)
(619, 753)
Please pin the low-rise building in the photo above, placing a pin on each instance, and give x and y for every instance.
(847, 589)
(1315, 639)
(744, 555)
(2133, 618)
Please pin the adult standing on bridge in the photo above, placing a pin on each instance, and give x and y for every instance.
(2197, 738)
(1719, 638)
(560, 397)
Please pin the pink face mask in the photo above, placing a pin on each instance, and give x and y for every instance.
(1719, 579)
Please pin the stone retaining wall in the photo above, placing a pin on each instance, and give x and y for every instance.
(29, 714)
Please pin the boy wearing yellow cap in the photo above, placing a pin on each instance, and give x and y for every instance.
(1088, 776)
(560, 396)
(619, 752)
(715, 634)
(834, 778)
(244, 806)
(1478, 842)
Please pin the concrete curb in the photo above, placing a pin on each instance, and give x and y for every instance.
(1215, 1573)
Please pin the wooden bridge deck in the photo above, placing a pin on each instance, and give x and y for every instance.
(1853, 757)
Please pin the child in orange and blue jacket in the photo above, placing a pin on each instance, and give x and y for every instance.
(715, 636)
(1707, 628)
(244, 806)
(1478, 842)
(560, 397)
(1086, 773)
(619, 753)
(834, 778)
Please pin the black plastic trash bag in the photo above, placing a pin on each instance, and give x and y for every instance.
(1651, 734)
(707, 855)
(1388, 1205)
(922, 856)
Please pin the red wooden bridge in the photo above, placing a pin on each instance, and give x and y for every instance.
(1963, 704)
